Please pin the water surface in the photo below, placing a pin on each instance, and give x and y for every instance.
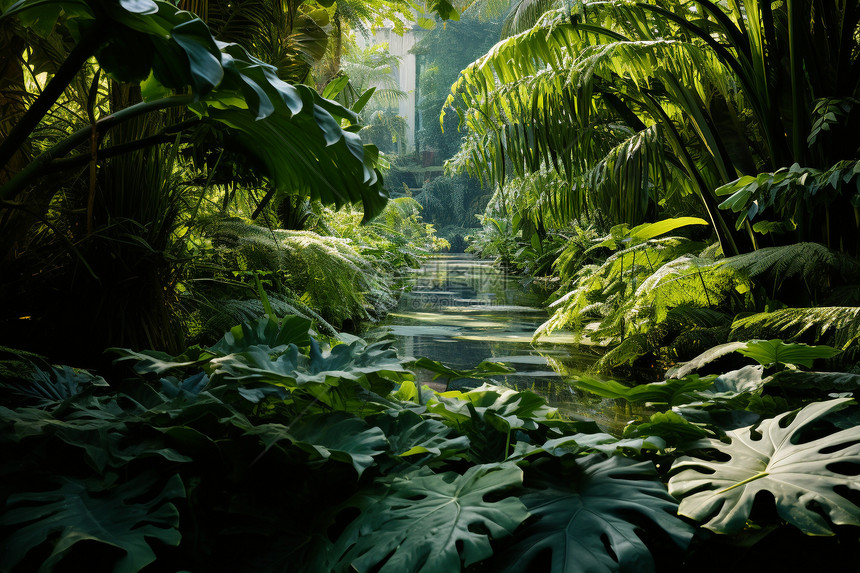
(462, 310)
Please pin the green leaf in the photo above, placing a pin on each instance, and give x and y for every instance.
(590, 524)
(704, 358)
(416, 524)
(650, 230)
(803, 476)
(361, 102)
(671, 392)
(410, 435)
(55, 384)
(204, 57)
(483, 370)
(667, 425)
(598, 443)
(778, 352)
(503, 408)
(161, 362)
(265, 332)
(123, 517)
(819, 382)
(336, 436)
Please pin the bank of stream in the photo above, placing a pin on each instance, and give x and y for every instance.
(462, 310)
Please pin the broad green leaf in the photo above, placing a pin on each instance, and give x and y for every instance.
(650, 230)
(335, 436)
(590, 524)
(204, 57)
(160, 362)
(503, 408)
(123, 517)
(188, 388)
(410, 435)
(265, 332)
(667, 425)
(47, 387)
(602, 443)
(778, 352)
(804, 477)
(671, 392)
(432, 523)
(483, 370)
(819, 382)
(704, 358)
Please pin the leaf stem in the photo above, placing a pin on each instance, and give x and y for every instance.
(746, 481)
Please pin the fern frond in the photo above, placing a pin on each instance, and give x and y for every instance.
(812, 263)
(838, 326)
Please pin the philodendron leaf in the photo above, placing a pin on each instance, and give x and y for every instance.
(46, 387)
(820, 382)
(704, 358)
(411, 435)
(158, 362)
(483, 370)
(123, 517)
(264, 332)
(776, 351)
(667, 425)
(590, 525)
(432, 523)
(803, 476)
(671, 392)
(333, 436)
(502, 408)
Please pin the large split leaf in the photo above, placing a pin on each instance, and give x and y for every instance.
(590, 524)
(123, 517)
(804, 477)
(416, 524)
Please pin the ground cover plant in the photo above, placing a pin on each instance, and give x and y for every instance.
(269, 451)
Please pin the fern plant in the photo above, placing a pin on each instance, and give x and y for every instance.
(303, 270)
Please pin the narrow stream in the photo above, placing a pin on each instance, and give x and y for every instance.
(462, 310)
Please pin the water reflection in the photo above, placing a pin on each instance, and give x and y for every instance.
(462, 310)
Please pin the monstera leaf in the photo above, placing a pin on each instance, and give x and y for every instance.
(590, 525)
(804, 477)
(431, 523)
(123, 517)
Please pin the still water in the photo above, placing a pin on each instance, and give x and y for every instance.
(462, 310)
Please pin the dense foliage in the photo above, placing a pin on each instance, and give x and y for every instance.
(168, 468)
(683, 174)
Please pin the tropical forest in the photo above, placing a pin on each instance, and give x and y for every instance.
(429, 286)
